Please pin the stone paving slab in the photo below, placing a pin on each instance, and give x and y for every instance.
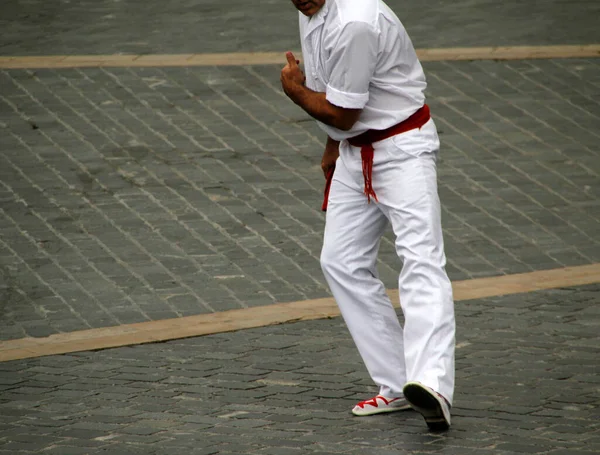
(281, 313)
(36, 27)
(527, 382)
(136, 194)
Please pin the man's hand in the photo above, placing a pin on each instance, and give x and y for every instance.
(291, 76)
(330, 155)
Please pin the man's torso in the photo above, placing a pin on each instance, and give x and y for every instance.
(396, 86)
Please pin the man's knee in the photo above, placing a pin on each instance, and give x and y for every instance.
(332, 257)
(328, 257)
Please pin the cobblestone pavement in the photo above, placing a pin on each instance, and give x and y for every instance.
(129, 195)
(141, 194)
(527, 382)
(37, 27)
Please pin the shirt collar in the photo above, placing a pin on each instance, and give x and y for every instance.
(318, 19)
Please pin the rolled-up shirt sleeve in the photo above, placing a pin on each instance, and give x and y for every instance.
(351, 66)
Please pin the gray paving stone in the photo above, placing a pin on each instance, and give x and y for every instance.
(215, 28)
(140, 194)
(119, 210)
(521, 388)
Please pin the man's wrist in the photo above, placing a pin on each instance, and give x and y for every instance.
(295, 92)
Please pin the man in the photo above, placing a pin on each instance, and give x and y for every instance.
(364, 85)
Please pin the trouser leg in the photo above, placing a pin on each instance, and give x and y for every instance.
(407, 191)
(352, 234)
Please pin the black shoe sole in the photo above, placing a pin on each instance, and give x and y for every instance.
(424, 403)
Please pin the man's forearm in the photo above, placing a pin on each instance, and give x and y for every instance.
(317, 106)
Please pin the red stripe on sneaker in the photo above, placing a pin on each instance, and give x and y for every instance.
(373, 402)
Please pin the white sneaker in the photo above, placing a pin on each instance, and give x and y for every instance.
(431, 405)
(379, 404)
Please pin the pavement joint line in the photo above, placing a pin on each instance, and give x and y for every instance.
(281, 313)
(270, 58)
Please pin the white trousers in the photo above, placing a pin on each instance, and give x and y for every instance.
(405, 180)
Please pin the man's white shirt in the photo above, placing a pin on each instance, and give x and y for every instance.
(359, 54)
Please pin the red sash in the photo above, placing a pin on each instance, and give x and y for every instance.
(365, 142)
